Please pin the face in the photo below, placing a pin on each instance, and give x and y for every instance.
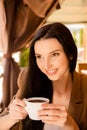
(51, 58)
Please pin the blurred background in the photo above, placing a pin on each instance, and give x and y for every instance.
(71, 13)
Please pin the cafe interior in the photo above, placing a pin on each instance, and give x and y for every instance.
(15, 39)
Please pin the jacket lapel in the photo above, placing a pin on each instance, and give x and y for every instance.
(75, 106)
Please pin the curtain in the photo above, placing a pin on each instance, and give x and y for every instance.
(23, 18)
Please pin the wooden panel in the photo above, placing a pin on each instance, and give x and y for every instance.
(82, 67)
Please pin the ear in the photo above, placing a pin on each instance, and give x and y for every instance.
(71, 58)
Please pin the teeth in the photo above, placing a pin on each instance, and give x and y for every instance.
(51, 71)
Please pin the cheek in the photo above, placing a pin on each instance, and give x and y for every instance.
(39, 65)
(63, 62)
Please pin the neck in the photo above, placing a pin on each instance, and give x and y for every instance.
(63, 85)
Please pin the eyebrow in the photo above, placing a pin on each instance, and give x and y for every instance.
(50, 52)
(54, 51)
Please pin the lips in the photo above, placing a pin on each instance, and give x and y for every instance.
(51, 72)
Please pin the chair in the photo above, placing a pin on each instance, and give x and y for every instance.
(82, 67)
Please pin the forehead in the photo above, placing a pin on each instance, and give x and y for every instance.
(47, 45)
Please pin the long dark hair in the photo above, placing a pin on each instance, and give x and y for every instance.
(37, 83)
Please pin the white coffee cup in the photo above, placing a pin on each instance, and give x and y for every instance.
(33, 104)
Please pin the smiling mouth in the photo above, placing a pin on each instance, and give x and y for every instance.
(51, 72)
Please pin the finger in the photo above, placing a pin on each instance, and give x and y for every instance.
(53, 120)
(19, 102)
(53, 106)
(17, 113)
(16, 106)
(53, 112)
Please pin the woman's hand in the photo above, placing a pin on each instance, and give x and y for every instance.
(57, 115)
(53, 114)
(16, 113)
(16, 110)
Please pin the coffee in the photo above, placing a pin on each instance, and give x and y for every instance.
(36, 101)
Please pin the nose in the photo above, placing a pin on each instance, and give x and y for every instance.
(47, 63)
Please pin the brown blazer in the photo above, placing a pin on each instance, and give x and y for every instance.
(78, 102)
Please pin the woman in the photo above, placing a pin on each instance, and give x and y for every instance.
(51, 73)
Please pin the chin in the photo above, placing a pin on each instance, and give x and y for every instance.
(53, 78)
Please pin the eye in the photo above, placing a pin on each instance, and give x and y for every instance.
(55, 54)
(38, 56)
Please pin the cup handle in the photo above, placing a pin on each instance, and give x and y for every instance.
(25, 105)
